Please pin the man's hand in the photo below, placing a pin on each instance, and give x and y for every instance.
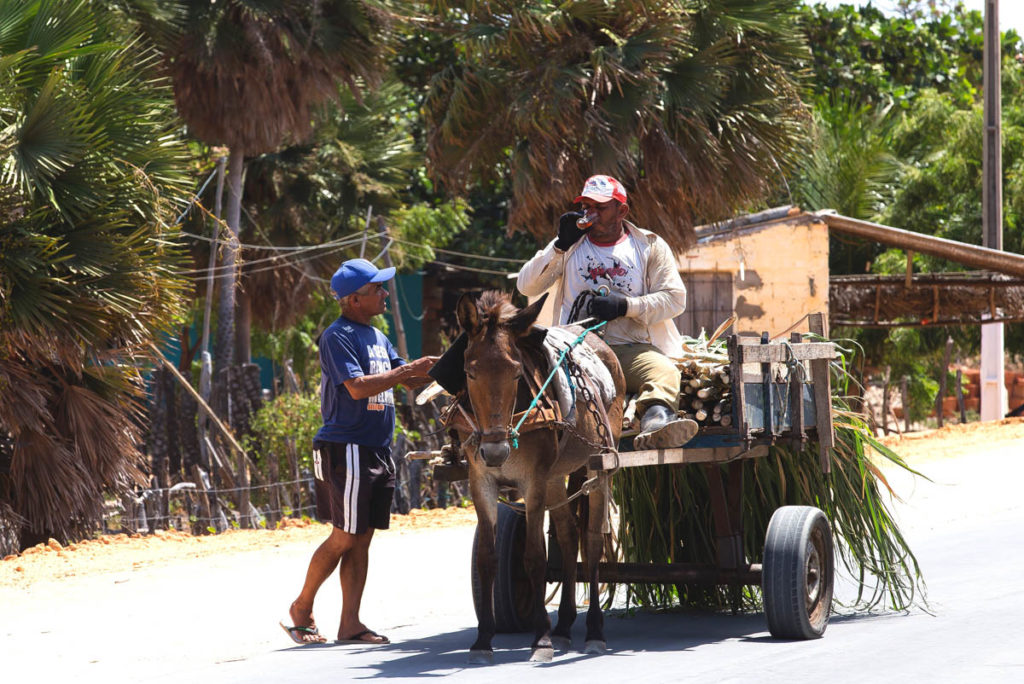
(420, 366)
(568, 231)
(412, 374)
(609, 307)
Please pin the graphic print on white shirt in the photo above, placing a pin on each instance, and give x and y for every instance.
(380, 362)
(620, 268)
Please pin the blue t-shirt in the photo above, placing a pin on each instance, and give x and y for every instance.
(351, 350)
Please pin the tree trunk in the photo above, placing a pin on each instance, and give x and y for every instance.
(224, 346)
(243, 327)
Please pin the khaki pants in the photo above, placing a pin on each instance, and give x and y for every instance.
(651, 375)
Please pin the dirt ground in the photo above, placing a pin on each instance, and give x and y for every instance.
(117, 553)
(120, 552)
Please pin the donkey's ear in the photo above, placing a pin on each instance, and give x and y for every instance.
(467, 313)
(520, 323)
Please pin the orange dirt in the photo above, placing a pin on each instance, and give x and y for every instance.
(957, 440)
(120, 552)
(117, 553)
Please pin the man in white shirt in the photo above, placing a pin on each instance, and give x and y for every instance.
(634, 284)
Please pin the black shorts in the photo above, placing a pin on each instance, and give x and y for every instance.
(354, 485)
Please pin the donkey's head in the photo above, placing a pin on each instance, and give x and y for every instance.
(494, 365)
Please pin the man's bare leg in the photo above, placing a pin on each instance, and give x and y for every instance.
(354, 567)
(321, 565)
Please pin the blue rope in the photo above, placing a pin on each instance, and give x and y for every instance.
(514, 432)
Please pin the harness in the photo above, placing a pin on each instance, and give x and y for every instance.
(549, 416)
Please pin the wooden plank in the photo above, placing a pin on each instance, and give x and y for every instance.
(822, 397)
(451, 472)
(766, 389)
(780, 353)
(649, 457)
(423, 455)
(796, 398)
(666, 573)
(739, 392)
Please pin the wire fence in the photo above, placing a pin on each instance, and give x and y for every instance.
(184, 506)
(200, 508)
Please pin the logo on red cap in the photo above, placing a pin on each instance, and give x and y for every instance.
(602, 189)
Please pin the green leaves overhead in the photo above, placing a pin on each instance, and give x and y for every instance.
(694, 106)
(876, 58)
(91, 169)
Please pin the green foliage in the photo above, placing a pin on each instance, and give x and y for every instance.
(289, 421)
(850, 166)
(361, 155)
(426, 225)
(695, 106)
(940, 189)
(91, 169)
(876, 58)
(297, 342)
(666, 515)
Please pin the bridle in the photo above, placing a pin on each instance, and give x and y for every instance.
(548, 416)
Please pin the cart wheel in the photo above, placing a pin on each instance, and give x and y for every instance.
(513, 598)
(797, 573)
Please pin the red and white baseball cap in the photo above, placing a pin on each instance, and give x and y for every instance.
(602, 189)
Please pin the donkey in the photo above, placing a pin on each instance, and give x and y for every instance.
(500, 353)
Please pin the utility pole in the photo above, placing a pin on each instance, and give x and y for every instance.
(993, 388)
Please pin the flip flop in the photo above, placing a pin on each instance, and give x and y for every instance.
(298, 630)
(357, 638)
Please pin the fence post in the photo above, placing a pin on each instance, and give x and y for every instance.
(130, 524)
(207, 503)
(885, 400)
(293, 464)
(960, 395)
(905, 398)
(942, 379)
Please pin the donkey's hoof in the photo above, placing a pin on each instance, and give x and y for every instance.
(481, 657)
(542, 654)
(595, 647)
(561, 643)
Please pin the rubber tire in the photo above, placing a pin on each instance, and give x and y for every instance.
(798, 573)
(513, 598)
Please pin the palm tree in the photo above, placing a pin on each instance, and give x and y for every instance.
(91, 168)
(695, 106)
(246, 74)
(850, 167)
(359, 155)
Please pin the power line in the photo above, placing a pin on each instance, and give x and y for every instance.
(461, 254)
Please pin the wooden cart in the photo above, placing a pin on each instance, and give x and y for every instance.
(781, 392)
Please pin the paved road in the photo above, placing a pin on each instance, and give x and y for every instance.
(216, 621)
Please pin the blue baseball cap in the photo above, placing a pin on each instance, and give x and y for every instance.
(355, 273)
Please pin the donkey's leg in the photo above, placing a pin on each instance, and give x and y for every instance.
(568, 541)
(535, 562)
(598, 512)
(484, 491)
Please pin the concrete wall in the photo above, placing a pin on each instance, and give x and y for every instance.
(784, 273)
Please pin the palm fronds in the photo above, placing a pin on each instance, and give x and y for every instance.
(91, 168)
(695, 106)
(666, 515)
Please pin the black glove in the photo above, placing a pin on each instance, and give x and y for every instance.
(568, 231)
(608, 307)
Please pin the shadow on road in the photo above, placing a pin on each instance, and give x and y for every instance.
(628, 634)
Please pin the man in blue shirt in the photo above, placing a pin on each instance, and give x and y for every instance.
(355, 475)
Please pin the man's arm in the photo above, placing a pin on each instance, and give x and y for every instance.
(541, 272)
(666, 294)
(412, 374)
